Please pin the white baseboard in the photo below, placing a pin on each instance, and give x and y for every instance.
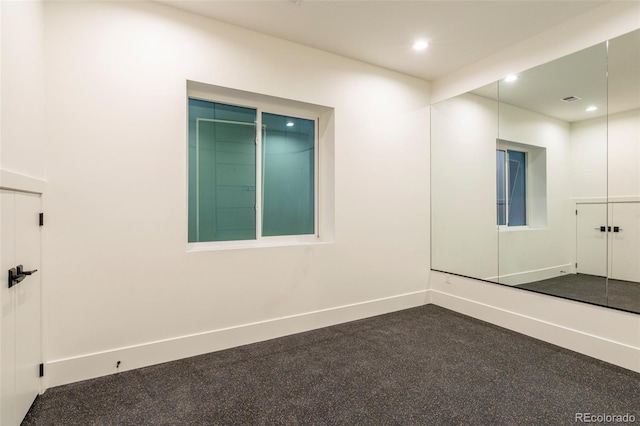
(68, 370)
(534, 275)
(63, 371)
(607, 350)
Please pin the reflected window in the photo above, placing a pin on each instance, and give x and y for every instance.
(511, 187)
(232, 196)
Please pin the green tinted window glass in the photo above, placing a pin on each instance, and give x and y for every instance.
(288, 175)
(222, 172)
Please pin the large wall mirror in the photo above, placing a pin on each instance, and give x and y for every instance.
(536, 178)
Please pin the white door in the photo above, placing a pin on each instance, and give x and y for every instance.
(591, 244)
(8, 325)
(21, 305)
(625, 245)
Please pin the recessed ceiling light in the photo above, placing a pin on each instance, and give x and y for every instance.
(511, 78)
(290, 124)
(420, 45)
(591, 108)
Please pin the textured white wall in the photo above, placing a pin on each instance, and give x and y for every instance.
(117, 271)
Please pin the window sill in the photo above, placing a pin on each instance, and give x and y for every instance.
(253, 244)
(520, 228)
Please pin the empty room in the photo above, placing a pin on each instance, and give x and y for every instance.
(319, 212)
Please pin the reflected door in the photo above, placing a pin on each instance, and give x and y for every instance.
(625, 244)
(591, 244)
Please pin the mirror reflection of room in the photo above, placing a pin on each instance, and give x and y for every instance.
(550, 158)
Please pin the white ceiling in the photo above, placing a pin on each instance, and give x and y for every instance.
(382, 32)
(459, 32)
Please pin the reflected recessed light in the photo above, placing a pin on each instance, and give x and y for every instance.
(290, 124)
(511, 78)
(420, 45)
(591, 108)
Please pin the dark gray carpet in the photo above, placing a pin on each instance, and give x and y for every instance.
(617, 294)
(421, 366)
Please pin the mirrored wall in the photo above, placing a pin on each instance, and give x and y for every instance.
(535, 179)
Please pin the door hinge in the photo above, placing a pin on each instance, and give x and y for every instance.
(576, 264)
(576, 212)
(41, 219)
(41, 370)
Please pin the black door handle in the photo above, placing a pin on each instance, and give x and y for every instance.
(20, 271)
(17, 274)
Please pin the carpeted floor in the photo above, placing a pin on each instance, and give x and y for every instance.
(421, 366)
(617, 294)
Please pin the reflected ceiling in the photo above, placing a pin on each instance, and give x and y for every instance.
(624, 69)
(541, 89)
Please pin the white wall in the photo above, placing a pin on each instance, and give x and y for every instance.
(22, 142)
(120, 283)
(600, 332)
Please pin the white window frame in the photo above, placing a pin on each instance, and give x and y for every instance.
(261, 104)
(506, 187)
(536, 194)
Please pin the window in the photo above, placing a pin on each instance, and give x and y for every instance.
(511, 168)
(288, 170)
(246, 184)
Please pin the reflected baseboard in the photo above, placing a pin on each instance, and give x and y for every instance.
(533, 275)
